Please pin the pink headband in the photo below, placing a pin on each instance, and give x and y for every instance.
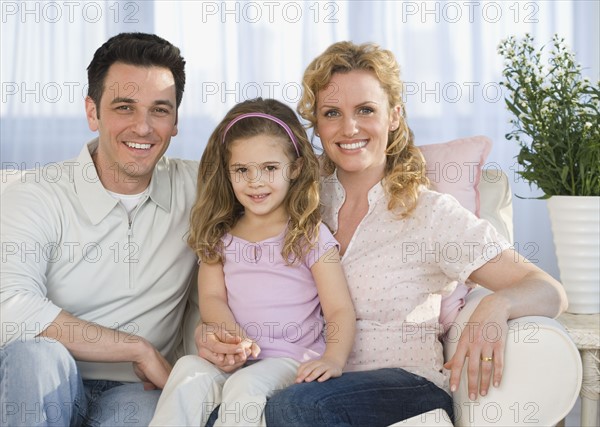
(268, 117)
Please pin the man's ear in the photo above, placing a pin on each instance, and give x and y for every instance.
(91, 113)
(175, 130)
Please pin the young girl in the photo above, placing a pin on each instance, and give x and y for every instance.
(269, 270)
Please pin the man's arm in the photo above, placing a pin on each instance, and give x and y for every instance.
(27, 229)
(110, 345)
(30, 230)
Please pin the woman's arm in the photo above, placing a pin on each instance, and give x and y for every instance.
(340, 317)
(215, 312)
(520, 289)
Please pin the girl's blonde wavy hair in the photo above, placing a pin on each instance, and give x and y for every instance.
(216, 209)
(405, 165)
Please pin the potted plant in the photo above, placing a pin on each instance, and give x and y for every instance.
(557, 126)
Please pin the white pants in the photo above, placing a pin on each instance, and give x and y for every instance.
(195, 387)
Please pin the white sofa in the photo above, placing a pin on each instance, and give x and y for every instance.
(542, 375)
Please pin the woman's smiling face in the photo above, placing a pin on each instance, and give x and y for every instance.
(354, 120)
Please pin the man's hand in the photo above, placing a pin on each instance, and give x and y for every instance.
(113, 346)
(221, 348)
(152, 368)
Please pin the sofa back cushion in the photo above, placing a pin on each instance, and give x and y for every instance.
(454, 167)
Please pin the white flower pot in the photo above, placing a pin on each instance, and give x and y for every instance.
(576, 230)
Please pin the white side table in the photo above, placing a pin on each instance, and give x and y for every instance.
(584, 329)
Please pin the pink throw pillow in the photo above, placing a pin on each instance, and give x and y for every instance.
(454, 168)
(452, 304)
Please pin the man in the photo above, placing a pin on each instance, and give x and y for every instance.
(95, 267)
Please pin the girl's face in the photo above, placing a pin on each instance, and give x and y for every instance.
(260, 173)
(354, 121)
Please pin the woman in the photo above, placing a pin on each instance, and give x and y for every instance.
(393, 232)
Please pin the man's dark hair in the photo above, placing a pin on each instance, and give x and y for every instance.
(145, 50)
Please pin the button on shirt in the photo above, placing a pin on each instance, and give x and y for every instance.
(70, 245)
(399, 269)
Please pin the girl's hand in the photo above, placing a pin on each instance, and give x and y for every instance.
(482, 343)
(246, 347)
(219, 347)
(321, 370)
(250, 348)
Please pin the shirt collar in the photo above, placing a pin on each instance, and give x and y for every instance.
(160, 185)
(97, 202)
(333, 196)
(332, 184)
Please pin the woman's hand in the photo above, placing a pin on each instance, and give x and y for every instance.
(320, 370)
(520, 289)
(482, 342)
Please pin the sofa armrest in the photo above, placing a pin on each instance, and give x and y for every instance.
(541, 379)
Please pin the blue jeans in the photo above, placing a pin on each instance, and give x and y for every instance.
(368, 398)
(40, 385)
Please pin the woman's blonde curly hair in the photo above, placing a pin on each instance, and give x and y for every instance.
(405, 166)
(217, 210)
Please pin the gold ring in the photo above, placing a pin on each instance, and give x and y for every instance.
(486, 359)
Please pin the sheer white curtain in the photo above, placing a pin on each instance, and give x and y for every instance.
(240, 50)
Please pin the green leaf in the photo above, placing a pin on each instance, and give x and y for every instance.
(557, 123)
